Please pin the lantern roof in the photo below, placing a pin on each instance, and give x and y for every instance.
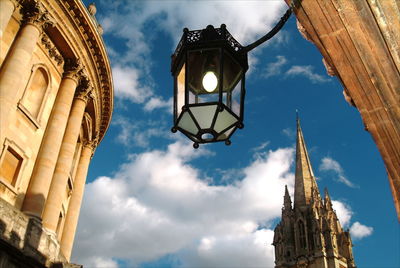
(209, 37)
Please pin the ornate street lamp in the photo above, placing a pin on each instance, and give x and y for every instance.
(209, 69)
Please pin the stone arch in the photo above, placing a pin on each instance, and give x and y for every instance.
(35, 94)
(302, 234)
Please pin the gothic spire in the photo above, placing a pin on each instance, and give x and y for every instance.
(304, 177)
(287, 203)
(328, 201)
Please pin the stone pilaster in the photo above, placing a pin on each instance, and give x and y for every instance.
(46, 160)
(7, 8)
(74, 207)
(18, 59)
(65, 158)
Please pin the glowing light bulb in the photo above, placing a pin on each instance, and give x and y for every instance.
(210, 81)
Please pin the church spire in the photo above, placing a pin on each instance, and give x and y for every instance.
(287, 203)
(304, 177)
(328, 201)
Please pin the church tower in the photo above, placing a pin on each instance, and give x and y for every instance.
(309, 233)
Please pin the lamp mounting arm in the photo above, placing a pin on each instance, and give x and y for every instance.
(271, 33)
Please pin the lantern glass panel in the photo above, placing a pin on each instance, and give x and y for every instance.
(226, 133)
(202, 98)
(204, 115)
(224, 120)
(201, 63)
(187, 124)
(232, 72)
(236, 97)
(180, 94)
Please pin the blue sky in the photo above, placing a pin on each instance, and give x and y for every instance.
(151, 200)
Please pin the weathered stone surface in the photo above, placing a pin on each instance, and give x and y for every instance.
(27, 235)
(360, 41)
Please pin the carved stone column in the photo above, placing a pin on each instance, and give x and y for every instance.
(74, 207)
(46, 160)
(65, 158)
(7, 8)
(18, 59)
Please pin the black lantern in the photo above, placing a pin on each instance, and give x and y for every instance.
(209, 69)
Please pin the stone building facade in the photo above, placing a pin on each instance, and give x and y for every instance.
(360, 44)
(309, 234)
(56, 100)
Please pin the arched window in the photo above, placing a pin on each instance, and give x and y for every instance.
(302, 234)
(35, 92)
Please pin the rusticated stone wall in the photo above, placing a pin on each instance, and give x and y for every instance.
(27, 235)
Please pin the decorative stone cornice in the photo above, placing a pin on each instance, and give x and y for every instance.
(34, 13)
(52, 50)
(72, 68)
(95, 46)
(92, 11)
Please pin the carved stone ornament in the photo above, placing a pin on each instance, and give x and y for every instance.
(72, 68)
(53, 51)
(91, 144)
(302, 262)
(92, 9)
(329, 68)
(83, 91)
(33, 12)
(85, 87)
(348, 98)
(303, 31)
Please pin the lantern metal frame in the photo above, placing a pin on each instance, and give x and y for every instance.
(209, 39)
(221, 41)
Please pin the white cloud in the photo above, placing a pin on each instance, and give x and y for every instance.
(358, 230)
(157, 103)
(100, 262)
(343, 212)
(329, 164)
(135, 25)
(127, 85)
(253, 250)
(275, 68)
(261, 147)
(308, 72)
(246, 20)
(139, 133)
(289, 132)
(159, 204)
